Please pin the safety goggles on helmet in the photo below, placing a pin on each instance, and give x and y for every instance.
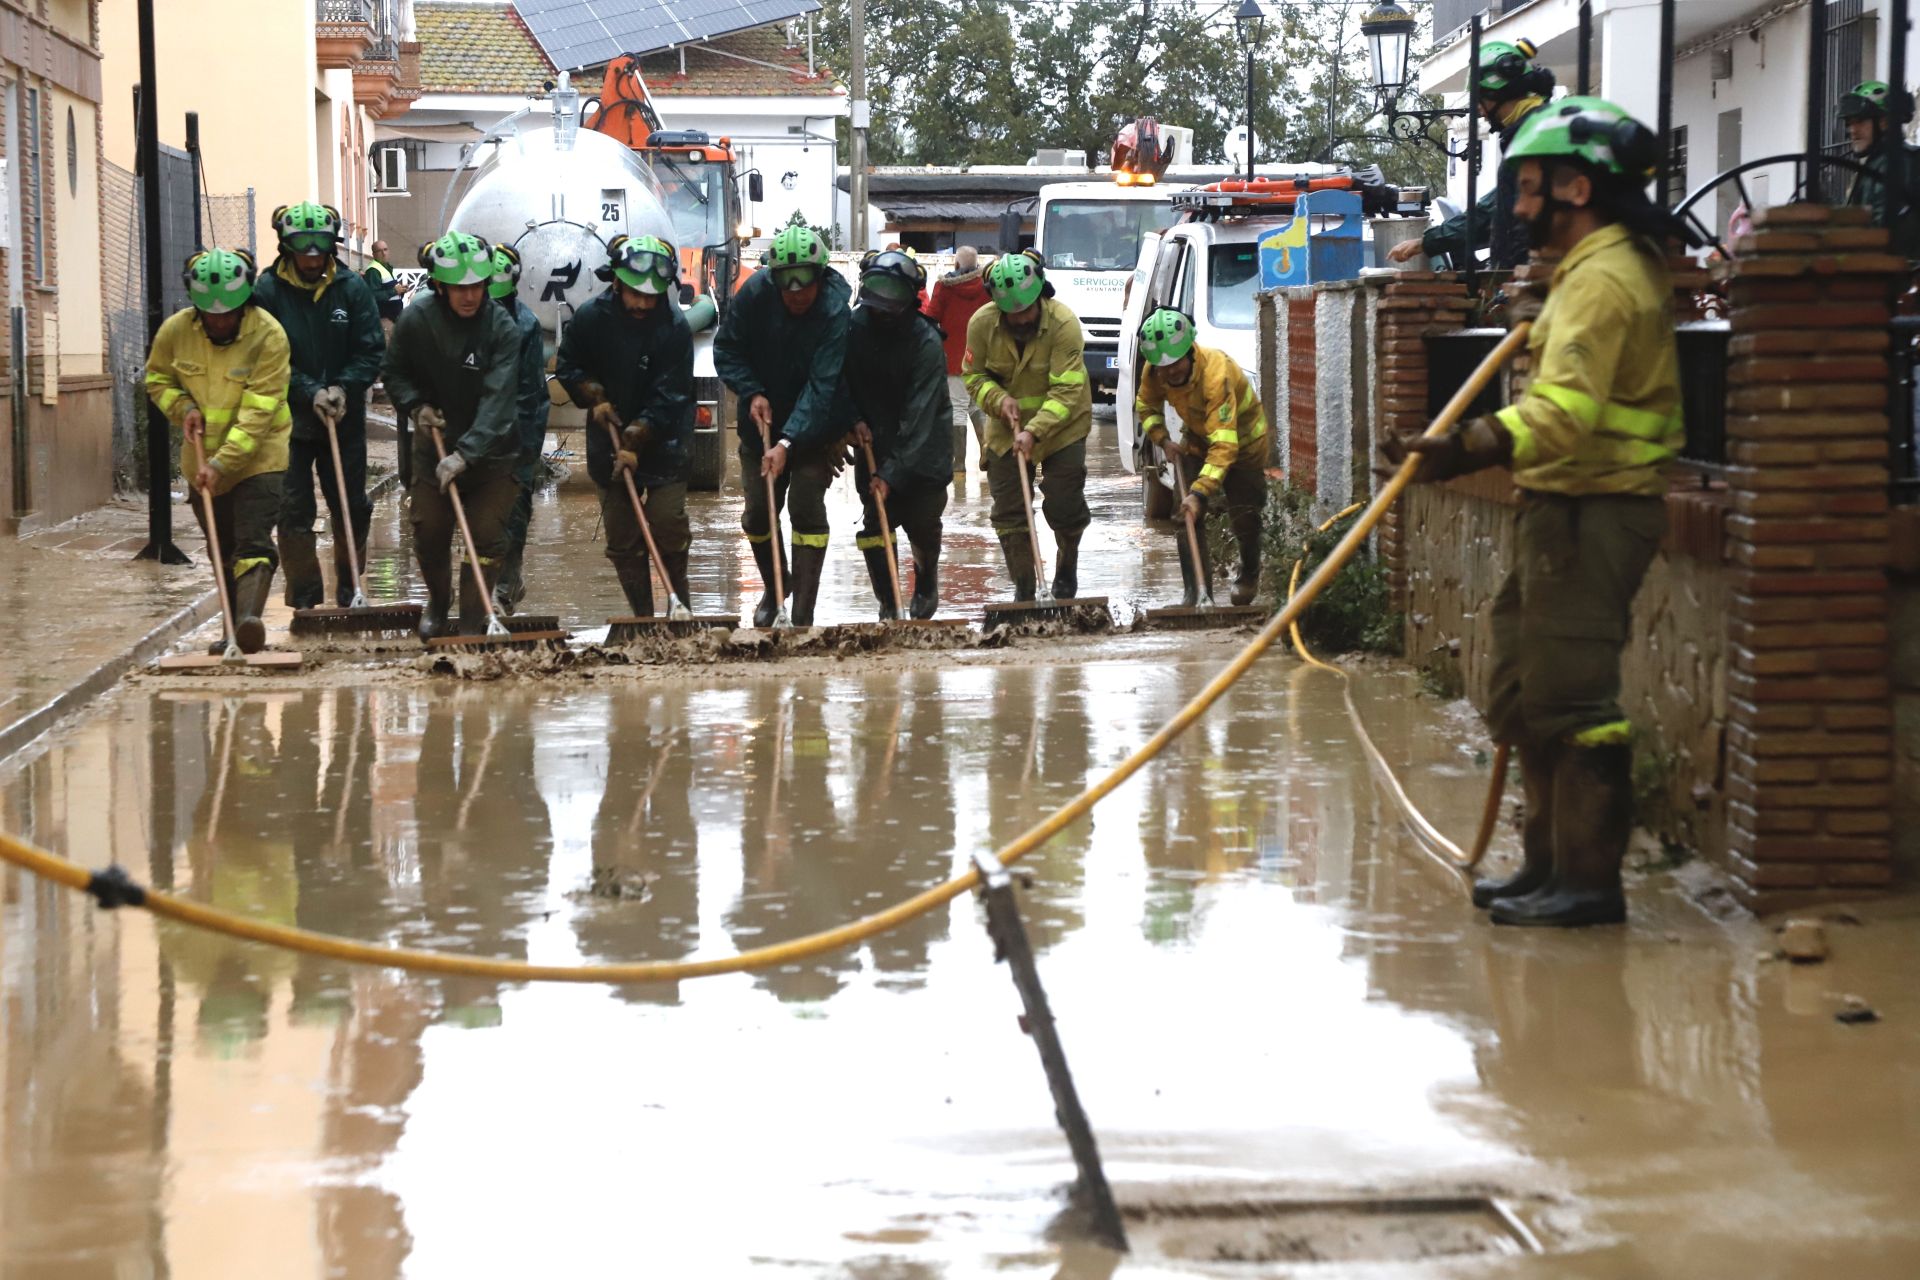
(794, 279)
(304, 242)
(890, 281)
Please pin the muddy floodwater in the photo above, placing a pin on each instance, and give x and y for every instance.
(1302, 1052)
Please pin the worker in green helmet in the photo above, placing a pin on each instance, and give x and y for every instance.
(509, 587)
(1222, 446)
(1512, 87)
(454, 364)
(780, 350)
(1871, 109)
(1589, 445)
(1025, 369)
(218, 370)
(333, 329)
(627, 359)
(896, 376)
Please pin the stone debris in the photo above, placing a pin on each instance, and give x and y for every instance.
(1803, 941)
(1854, 1010)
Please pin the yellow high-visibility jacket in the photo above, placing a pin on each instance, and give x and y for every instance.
(1602, 414)
(1047, 378)
(1221, 414)
(240, 389)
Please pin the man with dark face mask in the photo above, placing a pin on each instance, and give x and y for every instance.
(333, 327)
(1025, 367)
(896, 376)
(1589, 444)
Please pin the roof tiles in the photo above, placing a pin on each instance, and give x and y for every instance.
(477, 48)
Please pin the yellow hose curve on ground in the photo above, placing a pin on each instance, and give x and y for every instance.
(71, 874)
(1431, 837)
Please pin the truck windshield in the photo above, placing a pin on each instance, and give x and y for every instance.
(1233, 278)
(696, 201)
(1100, 235)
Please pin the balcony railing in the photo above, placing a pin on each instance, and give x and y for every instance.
(346, 11)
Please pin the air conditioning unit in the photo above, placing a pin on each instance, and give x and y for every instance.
(1720, 63)
(390, 170)
(1060, 158)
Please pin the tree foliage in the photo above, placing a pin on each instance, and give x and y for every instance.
(957, 82)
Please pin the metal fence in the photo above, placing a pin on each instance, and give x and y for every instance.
(1451, 360)
(1702, 347)
(226, 221)
(1903, 409)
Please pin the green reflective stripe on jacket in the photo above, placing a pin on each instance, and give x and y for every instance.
(1071, 378)
(1031, 402)
(863, 543)
(1054, 407)
(1228, 436)
(1616, 733)
(1212, 472)
(1582, 408)
(1151, 421)
(217, 417)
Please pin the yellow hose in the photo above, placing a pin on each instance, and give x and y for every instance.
(1431, 838)
(74, 876)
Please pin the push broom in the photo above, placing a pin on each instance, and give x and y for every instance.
(1043, 607)
(680, 619)
(284, 660)
(1206, 613)
(893, 562)
(497, 636)
(358, 616)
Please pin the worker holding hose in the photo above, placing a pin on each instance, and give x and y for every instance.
(780, 350)
(1223, 441)
(1589, 444)
(896, 377)
(454, 366)
(510, 586)
(627, 359)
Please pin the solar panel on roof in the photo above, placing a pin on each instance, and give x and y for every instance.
(584, 33)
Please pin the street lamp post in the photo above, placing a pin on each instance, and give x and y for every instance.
(1247, 23)
(1389, 30)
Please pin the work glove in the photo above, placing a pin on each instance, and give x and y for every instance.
(330, 402)
(1520, 303)
(450, 469)
(604, 417)
(428, 418)
(1196, 503)
(1468, 447)
(636, 436)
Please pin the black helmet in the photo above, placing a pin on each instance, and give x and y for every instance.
(890, 282)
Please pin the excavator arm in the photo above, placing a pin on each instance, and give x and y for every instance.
(625, 107)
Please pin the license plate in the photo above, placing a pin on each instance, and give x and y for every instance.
(1113, 362)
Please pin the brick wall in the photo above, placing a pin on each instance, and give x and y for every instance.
(1810, 718)
(1303, 375)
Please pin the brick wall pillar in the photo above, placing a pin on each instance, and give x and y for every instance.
(1809, 706)
(1303, 376)
(1411, 305)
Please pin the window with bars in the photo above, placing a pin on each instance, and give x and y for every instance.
(1848, 57)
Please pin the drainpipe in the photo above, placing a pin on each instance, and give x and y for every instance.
(159, 435)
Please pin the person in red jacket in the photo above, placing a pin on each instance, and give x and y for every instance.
(955, 298)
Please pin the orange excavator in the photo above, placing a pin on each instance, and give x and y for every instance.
(697, 174)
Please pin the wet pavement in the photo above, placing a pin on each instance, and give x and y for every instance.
(1267, 993)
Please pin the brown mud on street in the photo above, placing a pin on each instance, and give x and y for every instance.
(1302, 1052)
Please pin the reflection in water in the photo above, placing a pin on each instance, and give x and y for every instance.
(1258, 980)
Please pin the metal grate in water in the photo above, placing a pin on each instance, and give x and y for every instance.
(1398, 1229)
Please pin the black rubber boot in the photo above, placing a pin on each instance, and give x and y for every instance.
(1536, 832)
(677, 575)
(1189, 580)
(508, 589)
(250, 592)
(807, 564)
(769, 607)
(1592, 821)
(1066, 569)
(436, 573)
(1019, 553)
(926, 580)
(473, 609)
(636, 583)
(882, 578)
(1246, 532)
(305, 587)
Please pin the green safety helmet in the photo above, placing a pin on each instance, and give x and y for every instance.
(1876, 100)
(295, 223)
(219, 280)
(1507, 70)
(1015, 282)
(1166, 337)
(890, 281)
(506, 272)
(458, 258)
(797, 257)
(645, 264)
(1591, 130)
